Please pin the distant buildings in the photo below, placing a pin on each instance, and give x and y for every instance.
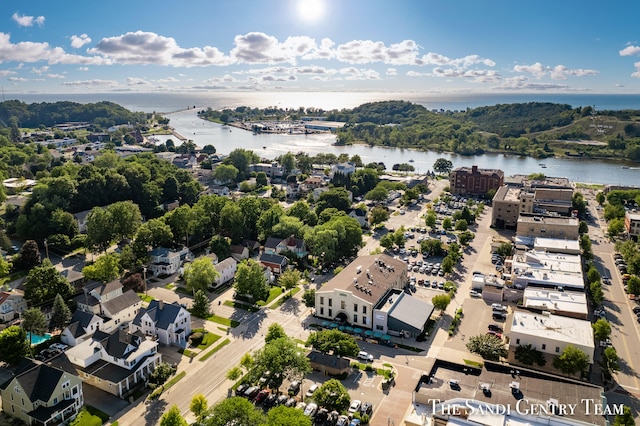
(170, 323)
(475, 181)
(548, 226)
(632, 224)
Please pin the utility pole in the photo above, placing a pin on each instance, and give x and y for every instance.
(144, 273)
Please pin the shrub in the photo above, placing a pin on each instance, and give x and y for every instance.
(196, 338)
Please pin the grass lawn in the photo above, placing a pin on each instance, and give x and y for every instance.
(286, 297)
(170, 286)
(183, 290)
(85, 418)
(12, 277)
(223, 320)
(145, 297)
(214, 350)
(208, 339)
(273, 293)
(242, 306)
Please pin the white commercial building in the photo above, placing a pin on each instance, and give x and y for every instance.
(557, 245)
(550, 270)
(566, 303)
(550, 334)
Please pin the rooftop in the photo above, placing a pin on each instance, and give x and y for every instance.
(553, 327)
(561, 221)
(566, 301)
(556, 244)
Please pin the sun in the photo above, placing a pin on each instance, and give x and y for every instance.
(310, 10)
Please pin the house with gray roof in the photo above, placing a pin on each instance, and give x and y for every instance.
(170, 323)
(40, 394)
(275, 262)
(82, 326)
(116, 362)
(402, 314)
(280, 246)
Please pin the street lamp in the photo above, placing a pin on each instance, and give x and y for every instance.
(144, 272)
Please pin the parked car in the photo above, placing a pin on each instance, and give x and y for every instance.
(294, 387)
(241, 388)
(355, 406)
(314, 387)
(261, 396)
(342, 421)
(270, 400)
(281, 400)
(499, 316)
(251, 392)
(636, 309)
(495, 333)
(495, 327)
(474, 293)
(365, 356)
(321, 416)
(311, 409)
(291, 402)
(366, 408)
(497, 307)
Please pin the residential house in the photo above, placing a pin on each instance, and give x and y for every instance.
(275, 262)
(361, 216)
(354, 294)
(219, 190)
(164, 261)
(328, 364)
(82, 218)
(12, 304)
(239, 252)
(344, 168)
(291, 244)
(115, 362)
(311, 183)
(109, 301)
(227, 270)
(82, 326)
(40, 394)
(272, 170)
(252, 245)
(170, 323)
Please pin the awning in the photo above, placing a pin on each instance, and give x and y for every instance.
(368, 333)
(333, 325)
(325, 323)
(386, 337)
(348, 329)
(377, 335)
(357, 330)
(341, 327)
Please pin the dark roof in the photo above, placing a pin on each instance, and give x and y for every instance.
(116, 343)
(273, 258)
(358, 212)
(125, 300)
(328, 360)
(38, 380)
(272, 242)
(82, 317)
(161, 317)
(43, 413)
(411, 311)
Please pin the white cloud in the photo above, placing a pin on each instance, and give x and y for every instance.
(55, 76)
(17, 79)
(476, 75)
(5, 73)
(27, 52)
(521, 82)
(368, 51)
(91, 83)
(40, 70)
(135, 81)
(636, 74)
(558, 72)
(432, 58)
(260, 48)
(150, 48)
(27, 21)
(353, 73)
(83, 69)
(630, 51)
(79, 41)
(168, 80)
(391, 71)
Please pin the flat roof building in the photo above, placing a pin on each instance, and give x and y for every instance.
(550, 334)
(546, 226)
(550, 270)
(557, 245)
(564, 303)
(473, 180)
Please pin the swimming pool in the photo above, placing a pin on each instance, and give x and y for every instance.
(36, 339)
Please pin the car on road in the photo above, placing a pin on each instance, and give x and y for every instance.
(355, 406)
(365, 356)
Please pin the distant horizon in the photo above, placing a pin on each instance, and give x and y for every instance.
(358, 46)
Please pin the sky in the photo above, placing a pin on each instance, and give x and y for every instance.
(418, 46)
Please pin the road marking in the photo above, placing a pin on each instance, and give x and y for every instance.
(355, 379)
(368, 382)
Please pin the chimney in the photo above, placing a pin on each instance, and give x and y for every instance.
(474, 169)
(161, 304)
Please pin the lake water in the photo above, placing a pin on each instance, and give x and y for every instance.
(226, 139)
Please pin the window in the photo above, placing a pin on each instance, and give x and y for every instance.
(321, 310)
(379, 327)
(557, 349)
(330, 302)
(66, 384)
(544, 346)
(322, 300)
(517, 341)
(343, 304)
(364, 320)
(330, 312)
(364, 309)
(355, 319)
(55, 400)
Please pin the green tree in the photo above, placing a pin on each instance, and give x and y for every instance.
(5, 267)
(126, 219)
(615, 228)
(250, 280)
(247, 361)
(29, 255)
(61, 313)
(487, 346)
(625, 419)
(198, 406)
(442, 166)
(99, 230)
(504, 249)
(336, 197)
(234, 374)
(106, 268)
(447, 223)
(225, 173)
(283, 358)
(44, 282)
(466, 237)
(528, 355)
(200, 274)
(610, 361)
(595, 290)
(232, 223)
(332, 395)
(13, 344)
(378, 194)
(431, 218)
(585, 245)
(571, 361)
(334, 341)
(301, 210)
(583, 228)
(448, 264)
(275, 331)
(173, 417)
(154, 233)
(432, 246)
(221, 246)
(34, 322)
(288, 161)
(441, 301)
(309, 298)
(200, 307)
(235, 411)
(461, 225)
(261, 180)
(633, 285)
(601, 329)
(593, 275)
(287, 416)
(378, 214)
(290, 278)
(601, 198)
(161, 374)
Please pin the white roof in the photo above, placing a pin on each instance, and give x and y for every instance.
(556, 244)
(553, 328)
(567, 301)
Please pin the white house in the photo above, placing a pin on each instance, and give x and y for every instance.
(227, 270)
(239, 252)
(115, 362)
(165, 261)
(344, 168)
(550, 334)
(82, 326)
(361, 216)
(12, 304)
(117, 308)
(169, 323)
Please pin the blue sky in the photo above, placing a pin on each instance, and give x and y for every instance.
(423, 46)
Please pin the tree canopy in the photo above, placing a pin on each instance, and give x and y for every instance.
(571, 361)
(13, 344)
(334, 341)
(333, 396)
(250, 280)
(44, 282)
(200, 274)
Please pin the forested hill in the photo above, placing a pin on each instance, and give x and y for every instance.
(387, 112)
(102, 114)
(514, 120)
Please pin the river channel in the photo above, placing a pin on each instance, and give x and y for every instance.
(226, 139)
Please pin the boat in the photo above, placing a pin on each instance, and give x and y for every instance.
(544, 166)
(411, 161)
(624, 167)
